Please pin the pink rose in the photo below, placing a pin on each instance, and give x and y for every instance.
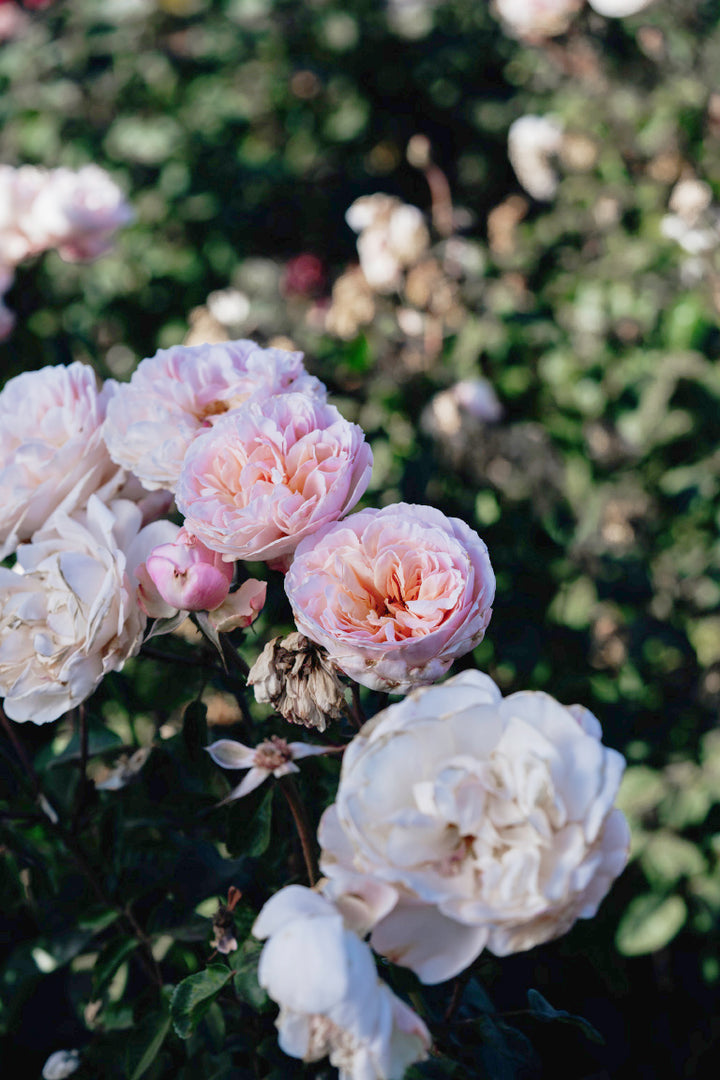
(188, 575)
(78, 212)
(271, 473)
(180, 392)
(51, 449)
(393, 595)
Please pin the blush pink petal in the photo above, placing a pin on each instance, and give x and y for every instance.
(181, 392)
(270, 473)
(393, 595)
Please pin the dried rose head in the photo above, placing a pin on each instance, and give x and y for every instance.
(295, 676)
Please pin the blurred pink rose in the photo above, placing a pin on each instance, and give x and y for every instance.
(180, 392)
(77, 213)
(51, 449)
(271, 473)
(393, 595)
(188, 575)
(18, 191)
(304, 276)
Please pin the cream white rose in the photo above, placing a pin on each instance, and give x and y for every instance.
(52, 453)
(332, 1002)
(493, 818)
(68, 610)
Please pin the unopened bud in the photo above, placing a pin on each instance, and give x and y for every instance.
(188, 575)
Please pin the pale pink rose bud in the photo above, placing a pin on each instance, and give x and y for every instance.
(393, 595)
(188, 575)
(240, 608)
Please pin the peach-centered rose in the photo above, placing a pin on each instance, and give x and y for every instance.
(393, 595)
(270, 473)
(181, 392)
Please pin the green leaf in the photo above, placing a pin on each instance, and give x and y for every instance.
(248, 833)
(144, 1043)
(109, 960)
(650, 923)
(194, 996)
(245, 963)
(542, 1010)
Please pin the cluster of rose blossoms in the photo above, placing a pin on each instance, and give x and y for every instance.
(462, 820)
(73, 212)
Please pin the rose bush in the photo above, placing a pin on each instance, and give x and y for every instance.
(52, 452)
(331, 1000)
(70, 614)
(178, 393)
(492, 817)
(269, 474)
(393, 595)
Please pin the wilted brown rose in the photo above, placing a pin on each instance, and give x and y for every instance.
(295, 676)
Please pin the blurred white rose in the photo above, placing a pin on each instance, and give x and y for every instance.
(61, 1064)
(617, 9)
(532, 142)
(392, 237)
(493, 818)
(536, 18)
(68, 610)
(331, 1000)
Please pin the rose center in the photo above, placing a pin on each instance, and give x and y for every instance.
(272, 754)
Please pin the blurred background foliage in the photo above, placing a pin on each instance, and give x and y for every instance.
(241, 130)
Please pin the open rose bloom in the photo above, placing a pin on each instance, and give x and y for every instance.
(331, 1000)
(52, 453)
(393, 595)
(70, 612)
(492, 818)
(181, 392)
(271, 473)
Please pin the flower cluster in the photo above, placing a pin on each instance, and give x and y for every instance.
(74, 212)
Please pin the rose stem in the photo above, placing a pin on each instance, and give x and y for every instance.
(81, 859)
(82, 767)
(358, 715)
(297, 809)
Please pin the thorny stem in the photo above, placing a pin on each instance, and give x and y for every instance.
(82, 862)
(456, 997)
(297, 809)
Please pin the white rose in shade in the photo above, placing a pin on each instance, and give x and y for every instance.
(69, 611)
(181, 392)
(618, 9)
(393, 236)
(18, 191)
(269, 474)
(393, 595)
(52, 453)
(331, 1000)
(492, 817)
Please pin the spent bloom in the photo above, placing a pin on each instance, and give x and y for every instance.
(52, 453)
(393, 595)
(69, 610)
(295, 676)
(332, 1002)
(273, 757)
(180, 392)
(532, 142)
(269, 474)
(493, 818)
